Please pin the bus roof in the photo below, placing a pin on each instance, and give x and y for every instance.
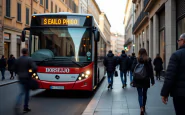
(62, 13)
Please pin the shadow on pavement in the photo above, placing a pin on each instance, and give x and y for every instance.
(64, 94)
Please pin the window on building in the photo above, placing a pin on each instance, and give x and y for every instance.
(59, 9)
(41, 2)
(19, 12)
(8, 8)
(46, 4)
(27, 16)
(55, 8)
(51, 7)
(35, 12)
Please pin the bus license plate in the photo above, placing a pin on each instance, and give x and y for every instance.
(57, 87)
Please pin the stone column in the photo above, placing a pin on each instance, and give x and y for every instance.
(155, 35)
(13, 45)
(151, 38)
(145, 39)
(170, 29)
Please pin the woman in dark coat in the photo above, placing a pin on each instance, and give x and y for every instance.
(158, 63)
(11, 62)
(142, 85)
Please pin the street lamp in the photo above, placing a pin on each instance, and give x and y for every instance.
(133, 47)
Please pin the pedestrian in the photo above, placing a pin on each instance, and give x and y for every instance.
(11, 62)
(22, 67)
(14, 63)
(124, 65)
(110, 62)
(3, 66)
(174, 83)
(143, 84)
(129, 68)
(132, 58)
(158, 63)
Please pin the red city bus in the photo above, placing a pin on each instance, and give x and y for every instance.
(68, 49)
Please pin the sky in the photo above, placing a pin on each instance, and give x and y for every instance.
(114, 10)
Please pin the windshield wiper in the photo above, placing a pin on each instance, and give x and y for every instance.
(45, 60)
(73, 62)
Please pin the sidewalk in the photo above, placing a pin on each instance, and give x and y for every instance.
(7, 79)
(120, 101)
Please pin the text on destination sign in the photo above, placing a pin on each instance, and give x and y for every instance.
(60, 21)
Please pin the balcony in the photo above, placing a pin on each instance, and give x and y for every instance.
(143, 18)
(148, 4)
(128, 41)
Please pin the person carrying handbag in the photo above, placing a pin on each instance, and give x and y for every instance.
(110, 62)
(22, 67)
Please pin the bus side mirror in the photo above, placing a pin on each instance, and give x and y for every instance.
(96, 36)
(23, 36)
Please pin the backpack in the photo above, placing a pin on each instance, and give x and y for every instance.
(140, 72)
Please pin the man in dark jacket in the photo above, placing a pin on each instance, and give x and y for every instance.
(23, 66)
(110, 63)
(3, 66)
(174, 83)
(124, 65)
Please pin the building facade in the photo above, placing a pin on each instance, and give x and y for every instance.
(83, 6)
(94, 9)
(16, 15)
(158, 25)
(117, 43)
(1, 28)
(128, 24)
(101, 20)
(105, 26)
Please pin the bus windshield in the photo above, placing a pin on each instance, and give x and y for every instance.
(73, 44)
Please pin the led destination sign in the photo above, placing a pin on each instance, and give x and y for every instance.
(60, 21)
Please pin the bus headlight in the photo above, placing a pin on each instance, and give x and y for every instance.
(35, 76)
(84, 75)
(88, 72)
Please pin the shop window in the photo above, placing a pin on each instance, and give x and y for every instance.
(6, 36)
(6, 49)
(162, 46)
(181, 27)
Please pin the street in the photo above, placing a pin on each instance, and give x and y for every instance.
(117, 101)
(45, 102)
